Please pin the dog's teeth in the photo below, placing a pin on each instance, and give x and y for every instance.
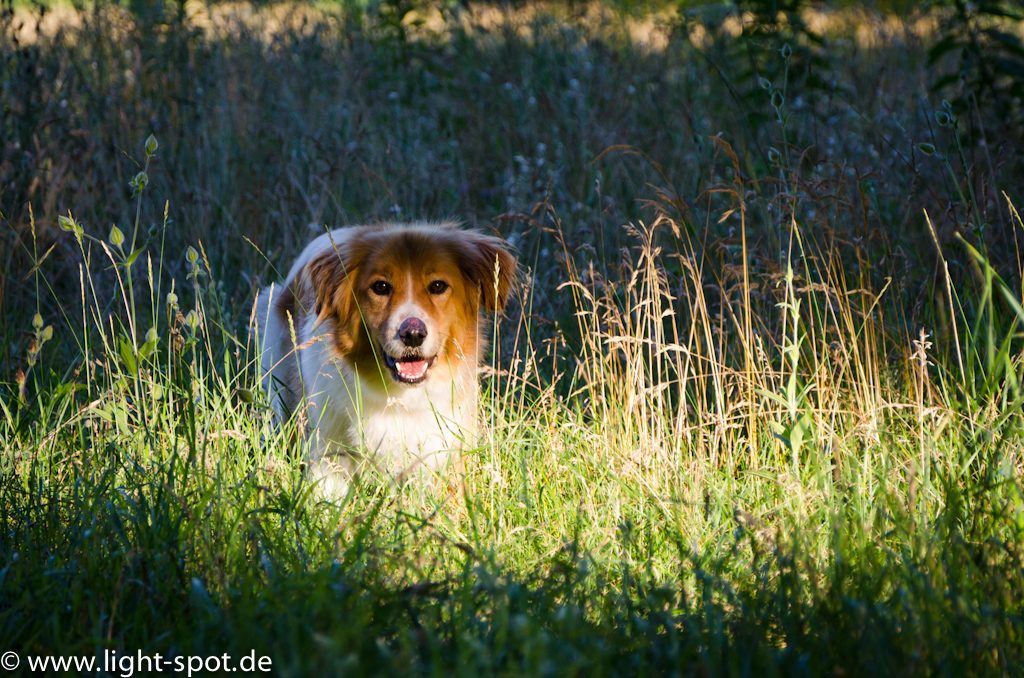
(411, 369)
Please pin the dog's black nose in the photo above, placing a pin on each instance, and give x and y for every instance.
(412, 332)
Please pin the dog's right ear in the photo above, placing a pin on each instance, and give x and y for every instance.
(327, 282)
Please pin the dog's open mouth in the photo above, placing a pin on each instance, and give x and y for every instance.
(409, 369)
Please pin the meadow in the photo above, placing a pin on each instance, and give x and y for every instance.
(754, 409)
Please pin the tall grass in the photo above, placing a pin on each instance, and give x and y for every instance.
(729, 428)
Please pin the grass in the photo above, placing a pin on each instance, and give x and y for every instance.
(755, 409)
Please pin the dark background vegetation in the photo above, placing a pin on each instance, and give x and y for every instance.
(358, 116)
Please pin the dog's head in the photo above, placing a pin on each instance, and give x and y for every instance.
(409, 297)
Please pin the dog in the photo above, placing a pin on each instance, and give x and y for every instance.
(373, 342)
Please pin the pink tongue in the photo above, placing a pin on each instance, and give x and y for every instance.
(412, 369)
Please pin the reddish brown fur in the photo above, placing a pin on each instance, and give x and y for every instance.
(466, 264)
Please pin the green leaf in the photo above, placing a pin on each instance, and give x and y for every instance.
(945, 81)
(947, 44)
(124, 349)
(120, 417)
(133, 256)
(152, 339)
(147, 349)
(1011, 43)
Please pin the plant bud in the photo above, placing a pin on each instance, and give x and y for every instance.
(139, 182)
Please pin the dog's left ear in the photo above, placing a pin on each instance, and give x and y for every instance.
(489, 264)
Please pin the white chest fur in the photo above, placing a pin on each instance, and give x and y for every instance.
(351, 420)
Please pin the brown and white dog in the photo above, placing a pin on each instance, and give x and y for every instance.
(375, 339)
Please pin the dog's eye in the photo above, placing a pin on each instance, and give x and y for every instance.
(380, 287)
(437, 287)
